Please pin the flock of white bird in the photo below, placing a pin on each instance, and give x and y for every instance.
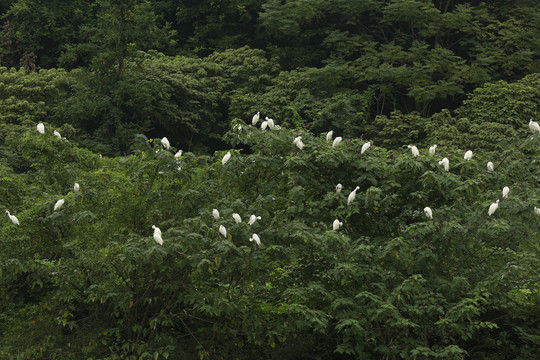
(269, 123)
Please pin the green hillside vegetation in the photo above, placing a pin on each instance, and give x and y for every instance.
(134, 263)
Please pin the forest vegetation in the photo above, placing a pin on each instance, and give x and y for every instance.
(134, 175)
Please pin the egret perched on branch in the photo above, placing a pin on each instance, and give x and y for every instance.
(505, 191)
(336, 141)
(223, 231)
(445, 163)
(264, 125)
(58, 204)
(57, 134)
(178, 154)
(338, 188)
(533, 125)
(428, 212)
(237, 218)
(414, 150)
(252, 219)
(336, 224)
(14, 219)
(215, 213)
(40, 128)
(166, 144)
(255, 119)
(226, 158)
(157, 235)
(270, 122)
(329, 136)
(493, 207)
(76, 188)
(365, 147)
(490, 166)
(432, 150)
(352, 195)
(298, 142)
(255, 238)
(468, 155)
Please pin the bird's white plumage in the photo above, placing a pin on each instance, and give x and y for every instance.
(365, 147)
(493, 207)
(157, 235)
(352, 195)
(255, 118)
(336, 224)
(338, 188)
(490, 166)
(255, 238)
(445, 163)
(40, 128)
(13, 218)
(215, 213)
(329, 136)
(533, 125)
(226, 158)
(264, 125)
(298, 142)
(505, 191)
(414, 150)
(252, 219)
(166, 144)
(468, 155)
(58, 204)
(428, 212)
(178, 154)
(270, 123)
(432, 150)
(57, 134)
(237, 218)
(76, 188)
(336, 141)
(537, 211)
(223, 231)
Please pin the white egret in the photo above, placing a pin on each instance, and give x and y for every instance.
(223, 231)
(255, 238)
(57, 134)
(14, 219)
(329, 136)
(298, 142)
(468, 155)
(336, 141)
(537, 211)
(237, 218)
(338, 188)
(166, 144)
(264, 125)
(505, 191)
(58, 204)
(157, 235)
(432, 150)
(76, 188)
(270, 123)
(336, 224)
(490, 166)
(40, 128)
(445, 163)
(215, 213)
(255, 118)
(365, 147)
(226, 158)
(493, 207)
(414, 150)
(178, 154)
(352, 195)
(428, 212)
(533, 125)
(252, 219)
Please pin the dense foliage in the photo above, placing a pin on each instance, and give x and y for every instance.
(87, 277)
